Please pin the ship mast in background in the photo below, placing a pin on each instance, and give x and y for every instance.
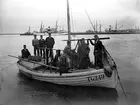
(68, 21)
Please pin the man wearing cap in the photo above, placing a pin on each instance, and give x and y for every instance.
(83, 53)
(71, 56)
(97, 51)
(24, 52)
(41, 46)
(67, 49)
(35, 44)
(49, 43)
(65, 61)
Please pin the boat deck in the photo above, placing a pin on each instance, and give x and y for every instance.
(41, 68)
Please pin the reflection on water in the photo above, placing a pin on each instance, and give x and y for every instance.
(67, 93)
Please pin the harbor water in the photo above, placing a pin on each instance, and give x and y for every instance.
(16, 89)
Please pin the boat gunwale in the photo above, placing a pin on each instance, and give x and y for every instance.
(32, 74)
(64, 75)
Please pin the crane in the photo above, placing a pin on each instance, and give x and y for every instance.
(120, 27)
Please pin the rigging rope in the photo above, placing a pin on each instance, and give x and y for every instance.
(8, 66)
(1, 73)
(117, 73)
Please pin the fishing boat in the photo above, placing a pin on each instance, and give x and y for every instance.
(100, 77)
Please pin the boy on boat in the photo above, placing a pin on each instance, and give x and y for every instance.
(49, 51)
(67, 52)
(65, 62)
(35, 44)
(25, 52)
(83, 53)
(56, 58)
(42, 46)
(98, 47)
(69, 57)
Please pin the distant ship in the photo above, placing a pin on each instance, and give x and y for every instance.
(28, 33)
(106, 32)
(53, 30)
(117, 30)
(109, 31)
(44, 30)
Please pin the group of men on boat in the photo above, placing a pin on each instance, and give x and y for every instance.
(43, 47)
(77, 58)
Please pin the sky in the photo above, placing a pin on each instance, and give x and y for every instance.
(18, 15)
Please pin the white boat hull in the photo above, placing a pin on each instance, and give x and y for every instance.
(88, 77)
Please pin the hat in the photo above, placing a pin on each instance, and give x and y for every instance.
(49, 32)
(96, 37)
(24, 45)
(68, 42)
(82, 39)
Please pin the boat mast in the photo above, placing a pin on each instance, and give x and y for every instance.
(100, 28)
(41, 27)
(96, 26)
(56, 26)
(68, 21)
(29, 29)
(116, 26)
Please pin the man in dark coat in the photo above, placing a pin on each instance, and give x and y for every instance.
(56, 58)
(49, 51)
(98, 47)
(41, 46)
(83, 53)
(24, 52)
(35, 44)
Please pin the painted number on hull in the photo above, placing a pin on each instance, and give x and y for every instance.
(95, 78)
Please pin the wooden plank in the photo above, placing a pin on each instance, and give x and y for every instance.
(88, 39)
(34, 62)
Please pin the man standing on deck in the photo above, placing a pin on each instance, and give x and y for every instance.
(49, 51)
(35, 44)
(67, 49)
(41, 46)
(97, 52)
(71, 56)
(83, 53)
(65, 61)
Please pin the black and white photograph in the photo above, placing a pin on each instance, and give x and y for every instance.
(69, 52)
